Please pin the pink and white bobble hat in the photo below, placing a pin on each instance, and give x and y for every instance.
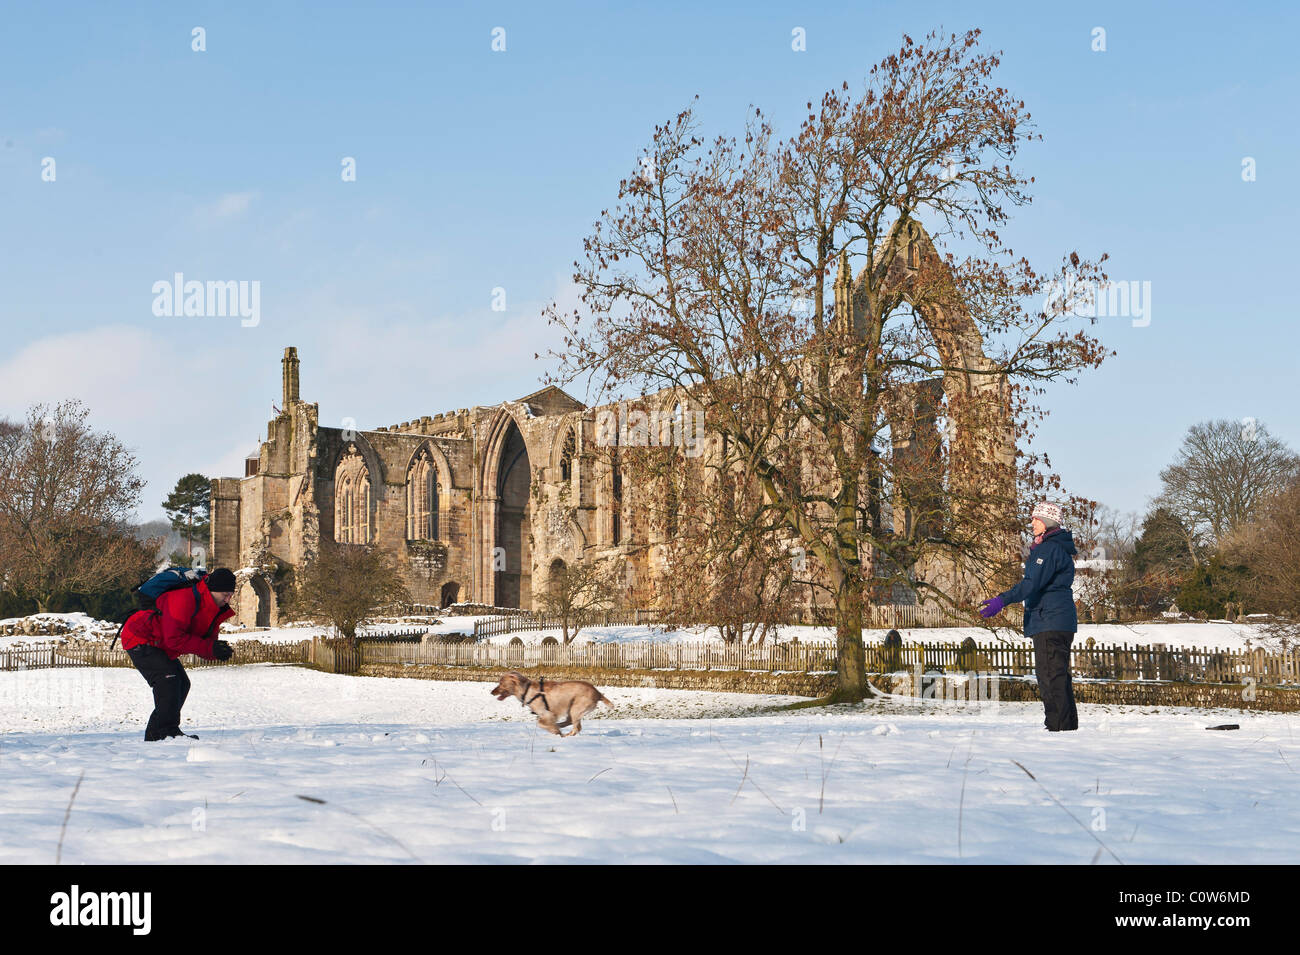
(1048, 511)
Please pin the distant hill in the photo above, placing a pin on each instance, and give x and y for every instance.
(172, 541)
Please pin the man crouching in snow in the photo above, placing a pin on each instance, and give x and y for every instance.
(185, 620)
(1050, 619)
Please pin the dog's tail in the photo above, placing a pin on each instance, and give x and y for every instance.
(601, 698)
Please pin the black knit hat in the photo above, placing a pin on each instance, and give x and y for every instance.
(220, 581)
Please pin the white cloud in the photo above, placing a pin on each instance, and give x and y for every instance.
(229, 206)
(190, 402)
(150, 390)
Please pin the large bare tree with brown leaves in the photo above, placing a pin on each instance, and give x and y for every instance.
(67, 495)
(715, 274)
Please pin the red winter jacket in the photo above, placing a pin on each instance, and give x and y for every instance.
(175, 627)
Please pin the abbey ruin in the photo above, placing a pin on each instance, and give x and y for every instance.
(479, 504)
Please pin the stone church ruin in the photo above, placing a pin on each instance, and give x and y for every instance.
(479, 504)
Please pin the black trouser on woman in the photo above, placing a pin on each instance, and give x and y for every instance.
(1052, 663)
(166, 677)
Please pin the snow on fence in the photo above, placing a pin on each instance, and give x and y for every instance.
(1106, 663)
(59, 655)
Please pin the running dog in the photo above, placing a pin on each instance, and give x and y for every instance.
(557, 705)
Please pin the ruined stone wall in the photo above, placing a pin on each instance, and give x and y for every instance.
(426, 565)
(563, 509)
(224, 535)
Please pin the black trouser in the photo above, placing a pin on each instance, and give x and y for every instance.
(1052, 664)
(170, 685)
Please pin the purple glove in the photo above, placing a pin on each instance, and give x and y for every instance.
(991, 607)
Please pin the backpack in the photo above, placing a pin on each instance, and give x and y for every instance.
(165, 581)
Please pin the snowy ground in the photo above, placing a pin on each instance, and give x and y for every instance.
(406, 770)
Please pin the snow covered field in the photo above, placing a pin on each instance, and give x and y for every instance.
(406, 770)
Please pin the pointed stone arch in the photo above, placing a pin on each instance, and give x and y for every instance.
(974, 394)
(355, 496)
(428, 483)
(505, 518)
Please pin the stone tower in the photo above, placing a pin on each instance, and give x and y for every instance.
(290, 364)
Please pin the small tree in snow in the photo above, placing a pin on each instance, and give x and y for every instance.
(576, 593)
(347, 585)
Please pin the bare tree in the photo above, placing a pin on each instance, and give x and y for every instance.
(347, 585)
(724, 275)
(67, 494)
(1223, 472)
(1269, 548)
(729, 563)
(577, 592)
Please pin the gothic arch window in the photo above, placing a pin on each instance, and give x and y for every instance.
(616, 499)
(422, 495)
(361, 525)
(353, 506)
(672, 503)
(567, 455)
(343, 510)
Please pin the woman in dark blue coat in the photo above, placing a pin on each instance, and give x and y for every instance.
(1047, 590)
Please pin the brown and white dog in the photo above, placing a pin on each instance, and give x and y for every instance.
(557, 704)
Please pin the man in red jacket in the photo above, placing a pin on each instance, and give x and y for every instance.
(153, 639)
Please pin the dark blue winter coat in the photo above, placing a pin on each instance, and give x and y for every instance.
(1048, 586)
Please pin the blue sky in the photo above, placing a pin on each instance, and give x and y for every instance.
(478, 170)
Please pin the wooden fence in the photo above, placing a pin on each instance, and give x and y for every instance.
(1124, 663)
(496, 626)
(58, 655)
(918, 616)
(1108, 663)
(877, 617)
(338, 655)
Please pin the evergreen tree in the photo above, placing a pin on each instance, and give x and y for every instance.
(189, 506)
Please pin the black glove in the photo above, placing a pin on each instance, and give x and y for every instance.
(222, 650)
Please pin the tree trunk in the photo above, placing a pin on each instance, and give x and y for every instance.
(851, 666)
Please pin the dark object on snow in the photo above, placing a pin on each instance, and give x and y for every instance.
(170, 685)
(1055, 686)
(1225, 726)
